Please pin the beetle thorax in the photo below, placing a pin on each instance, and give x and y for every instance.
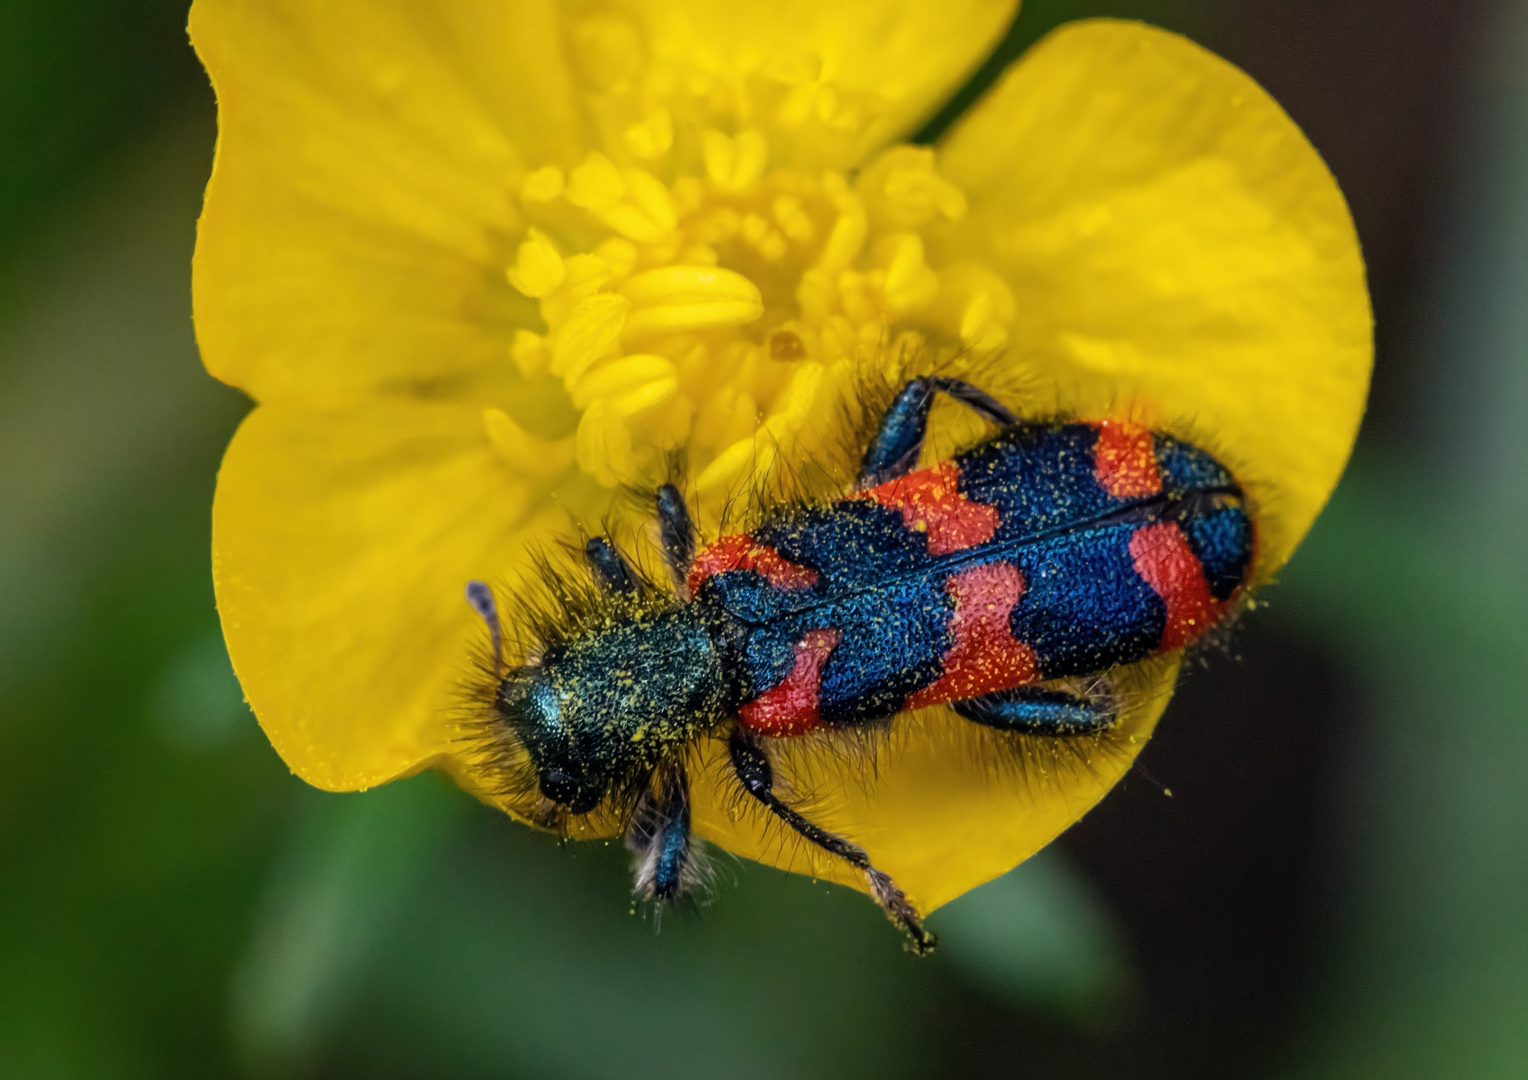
(603, 710)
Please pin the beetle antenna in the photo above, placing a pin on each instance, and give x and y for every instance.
(480, 596)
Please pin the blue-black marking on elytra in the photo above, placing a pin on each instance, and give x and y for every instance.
(1049, 550)
(1222, 542)
(1040, 478)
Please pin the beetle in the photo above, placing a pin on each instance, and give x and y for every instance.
(1049, 550)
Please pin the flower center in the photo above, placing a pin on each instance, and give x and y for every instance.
(697, 294)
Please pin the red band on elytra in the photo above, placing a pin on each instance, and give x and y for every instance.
(985, 656)
(1125, 460)
(743, 552)
(791, 707)
(1165, 561)
(931, 503)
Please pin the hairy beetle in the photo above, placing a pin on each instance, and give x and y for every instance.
(1050, 550)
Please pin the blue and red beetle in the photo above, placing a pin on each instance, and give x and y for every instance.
(1048, 551)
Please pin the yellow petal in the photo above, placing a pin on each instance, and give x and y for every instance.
(360, 214)
(1176, 246)
(341, 543)
(947, 805)
(894, 60)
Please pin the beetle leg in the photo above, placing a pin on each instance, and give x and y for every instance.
(894, 450)
(676, 534)
(753, 770)
(610, 570)
(659, 835)
(899, 438)
(1033, 710)
(977, 400)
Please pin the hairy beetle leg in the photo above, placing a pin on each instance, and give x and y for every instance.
(659, 835)
(753, 770)
(610, 570)
(899, 438)
(676, 535)
(1033, 710)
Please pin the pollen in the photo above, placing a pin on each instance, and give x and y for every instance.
(703, 284)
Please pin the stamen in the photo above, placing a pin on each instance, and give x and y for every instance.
(755, 456)
(542, 186)
(652, 137)
(539, 268)
(735, 164)
(596, 184)
(725, 311)
(624, 376)
(651, 197)
(529, 353)
(909, 283)
(522, 451)
(690, 298)
(793, 218)
(905, 189)
(763, 238)
(647, 396)
(847, 237)
(604, 444)
(590, 332)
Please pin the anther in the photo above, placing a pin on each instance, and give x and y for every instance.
(596, 184)
(620, 377)
(591, 331)
(847, 237)
(650, 196)
(652, 137)
(541, 186)
(538, 267)
(674, 298)
(734, 164)
(910, 284)
(603, 444)
(528, 351)
(522, 450)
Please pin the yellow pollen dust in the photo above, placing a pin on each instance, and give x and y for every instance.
(701, 288)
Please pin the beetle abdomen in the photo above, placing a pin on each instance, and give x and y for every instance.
(1051, 550)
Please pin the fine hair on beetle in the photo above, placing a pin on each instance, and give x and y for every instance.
(619, 690)
(558, 602)
(555, 604)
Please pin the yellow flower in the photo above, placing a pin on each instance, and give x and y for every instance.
(481, 262)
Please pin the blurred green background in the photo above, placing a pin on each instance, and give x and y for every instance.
(1336, 885)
